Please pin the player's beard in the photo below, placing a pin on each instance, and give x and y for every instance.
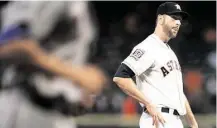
(168, 30)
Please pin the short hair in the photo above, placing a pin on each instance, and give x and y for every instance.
(156, 21)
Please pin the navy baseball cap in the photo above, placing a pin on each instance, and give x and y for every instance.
(171, 8)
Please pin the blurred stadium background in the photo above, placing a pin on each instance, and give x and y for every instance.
(122, 25)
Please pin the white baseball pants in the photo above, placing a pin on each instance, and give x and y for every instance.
(172, 121)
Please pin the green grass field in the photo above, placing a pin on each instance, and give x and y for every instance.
(204, 121)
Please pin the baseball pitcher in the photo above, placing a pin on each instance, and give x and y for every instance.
(159, 85)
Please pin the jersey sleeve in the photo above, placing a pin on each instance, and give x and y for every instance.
(139, 60)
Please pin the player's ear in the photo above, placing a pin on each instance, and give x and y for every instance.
(160, 19)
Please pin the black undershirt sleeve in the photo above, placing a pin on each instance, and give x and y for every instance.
(124, 71)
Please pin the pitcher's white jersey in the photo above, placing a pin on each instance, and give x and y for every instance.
(158, 73)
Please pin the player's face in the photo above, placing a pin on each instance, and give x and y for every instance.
(172, 24)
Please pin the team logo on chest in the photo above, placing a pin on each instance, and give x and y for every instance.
(170, 66)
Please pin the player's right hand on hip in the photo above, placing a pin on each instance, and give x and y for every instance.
(156, 115)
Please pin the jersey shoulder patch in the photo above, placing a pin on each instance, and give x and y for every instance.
(137, 54)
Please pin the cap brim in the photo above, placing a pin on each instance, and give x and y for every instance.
(184, 15)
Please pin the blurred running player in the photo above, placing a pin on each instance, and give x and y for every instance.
(43, 52)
